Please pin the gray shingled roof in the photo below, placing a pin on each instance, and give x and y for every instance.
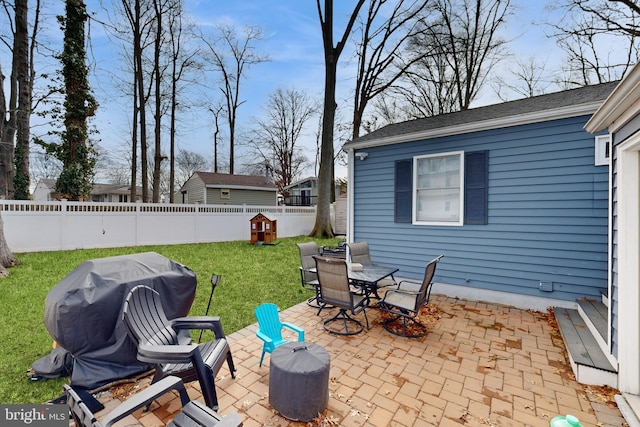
(98, 189)
(210, 178)
(521, 107)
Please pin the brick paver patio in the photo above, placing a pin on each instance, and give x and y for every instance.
(480, 365)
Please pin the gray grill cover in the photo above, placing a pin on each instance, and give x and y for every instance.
(83, 312)
(299, 380)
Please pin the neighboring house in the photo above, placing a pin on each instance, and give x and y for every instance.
(302, 193)
(99, 192)
(43, 190)
(620, 115)
(220, 188)
(114, 193)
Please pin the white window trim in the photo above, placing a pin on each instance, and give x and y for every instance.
(225, 193)
(602, 150)
(414, 205)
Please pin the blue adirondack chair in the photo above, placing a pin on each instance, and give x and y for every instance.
(270, 328)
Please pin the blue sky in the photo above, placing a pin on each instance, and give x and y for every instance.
(292, 40)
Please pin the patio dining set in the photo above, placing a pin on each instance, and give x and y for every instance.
(346, 278)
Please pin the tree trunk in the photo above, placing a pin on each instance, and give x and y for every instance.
(6, 257)
(7, 134)
(133, 192)
(23, 113)
(326, 189)
(157, 158)
(142, 104)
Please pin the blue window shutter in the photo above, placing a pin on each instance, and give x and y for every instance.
(404, 190)
(476, 185)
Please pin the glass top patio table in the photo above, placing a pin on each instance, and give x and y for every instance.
(370, 275)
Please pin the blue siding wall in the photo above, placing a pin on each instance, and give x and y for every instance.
(547, 213)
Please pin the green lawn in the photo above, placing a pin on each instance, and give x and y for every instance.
(250, 274)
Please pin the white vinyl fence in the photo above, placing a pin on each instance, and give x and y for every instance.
(49, 226)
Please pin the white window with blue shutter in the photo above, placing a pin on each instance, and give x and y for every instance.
(442, 189)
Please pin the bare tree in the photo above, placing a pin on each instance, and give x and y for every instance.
(16, 110)
(384, 31)
(276, 138)
(462, 47)
(217, 110)
(322, 226)
(117, 173)
(619, 16)
(188, 162)
(44, 166)
(139, 18)
(599, 38)
(430, 87)
(159, 67)
(386, 110)
(232, 54)
(181, 61)
(526, 78)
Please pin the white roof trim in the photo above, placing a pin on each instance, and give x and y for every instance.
(240, 187)
(618, 108)
(502, 122)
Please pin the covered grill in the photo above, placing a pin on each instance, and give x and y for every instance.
(83, 313)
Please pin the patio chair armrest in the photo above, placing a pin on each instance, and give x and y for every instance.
(151, 353)
(295, 328)
(145, 397)
(264, 337)
(411, 282)
(210, 323)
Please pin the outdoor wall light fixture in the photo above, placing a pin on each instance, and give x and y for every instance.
(362, 155)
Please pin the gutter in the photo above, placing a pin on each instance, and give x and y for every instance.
(535, 117)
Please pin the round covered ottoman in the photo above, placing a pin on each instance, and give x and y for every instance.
(299, 380)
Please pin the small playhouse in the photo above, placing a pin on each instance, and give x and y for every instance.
(263, 229)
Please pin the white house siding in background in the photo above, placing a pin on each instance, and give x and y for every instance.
(43, 190)
(119, 193)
